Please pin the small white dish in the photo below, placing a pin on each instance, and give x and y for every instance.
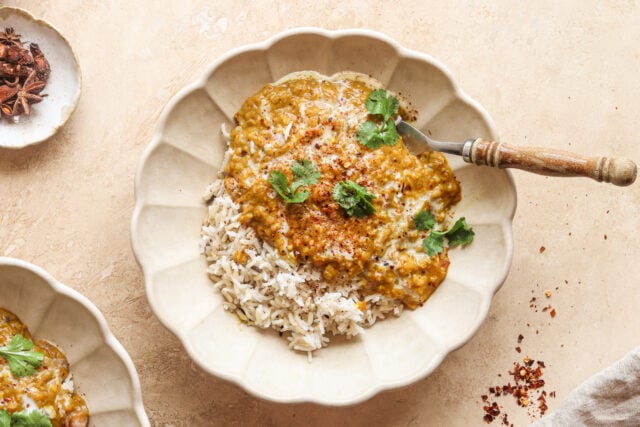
(102, 370)
(184, 157)
(62, 89)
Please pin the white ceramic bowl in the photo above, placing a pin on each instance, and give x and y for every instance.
(63, 87)
(183, 158)
(101, 368)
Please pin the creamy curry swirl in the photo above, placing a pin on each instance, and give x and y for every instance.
(312, 117)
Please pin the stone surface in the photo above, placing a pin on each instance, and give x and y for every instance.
(553, 74)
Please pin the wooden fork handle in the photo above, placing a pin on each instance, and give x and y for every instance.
(546, 161)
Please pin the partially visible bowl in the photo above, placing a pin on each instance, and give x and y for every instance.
(102, 370)
(62, 89)
(184, 157)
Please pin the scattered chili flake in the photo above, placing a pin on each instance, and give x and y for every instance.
(505, 420)
(605, 237)
(542, 249)
(526, 390)
(553, 313)
(520, 338)
(518, 349)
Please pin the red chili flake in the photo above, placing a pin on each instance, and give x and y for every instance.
(553, 313)
(542, 249)
(605, 237)
(526, 390)
(494, 410)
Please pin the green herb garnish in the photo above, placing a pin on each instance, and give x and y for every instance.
(22, 361)
(5, 418)
(424, 220)
(356, 200)
(433, 244)
(459, 234)
(373, 135)
(304, 173)
(33, 418)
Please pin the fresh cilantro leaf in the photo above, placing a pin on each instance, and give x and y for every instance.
(278, 181)
(299, 197)
(354, 199)
(460, 233)
(5, 418)
(22, 361)
(33, 418)
(369, 135)
(424, 220)
(389, 133)
(373, 135)
(378, 103)
(304, 173)
(433, 244)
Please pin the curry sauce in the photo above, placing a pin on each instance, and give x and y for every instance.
(316, 119)
(48, 387)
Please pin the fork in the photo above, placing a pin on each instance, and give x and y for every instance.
(543, 161)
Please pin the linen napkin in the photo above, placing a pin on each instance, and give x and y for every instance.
(609, 398)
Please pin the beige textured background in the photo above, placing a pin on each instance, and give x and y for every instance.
(557, 74)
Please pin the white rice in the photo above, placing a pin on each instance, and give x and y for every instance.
(269, 292)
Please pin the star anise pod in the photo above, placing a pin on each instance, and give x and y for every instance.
(9, 36)
(7, 92)
(42, 65)
(15, 54)
(23, 74)
(6, 110)
(11, 82)
(29, 93)
(13, 70)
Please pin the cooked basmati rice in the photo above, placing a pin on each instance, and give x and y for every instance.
(269, 292)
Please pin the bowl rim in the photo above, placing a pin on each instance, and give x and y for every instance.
(76, 96)
(109, 339)
(201, 83)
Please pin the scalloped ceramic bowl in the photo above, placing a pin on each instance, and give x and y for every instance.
(185, 155)
(63, 87)
(101, 368)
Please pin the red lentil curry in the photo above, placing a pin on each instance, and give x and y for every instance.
(46, 387)
(312, 117)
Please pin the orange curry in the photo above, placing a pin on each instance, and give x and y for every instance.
(47, 387)
(316, 119)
